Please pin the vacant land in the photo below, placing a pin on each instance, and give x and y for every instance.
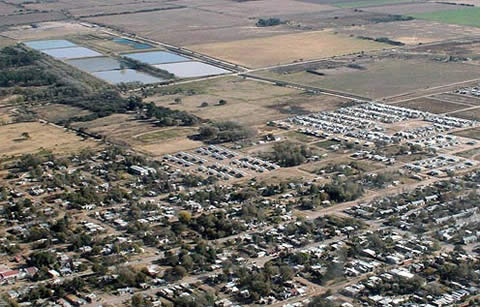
(410, 8)
(473, 133)
(387, 77)
(413, 31)
(58, 112)
(47, 30)
(170, 147)
(463, 16)
(165, 134)
(41, 137)
(248, 102)
(7, 9)
(286, 48)
(366, 3)
(120, 128)
(450, 97)
(183, 26)
(263, 8)
(470, 114)
(13, 20)
(432, 105)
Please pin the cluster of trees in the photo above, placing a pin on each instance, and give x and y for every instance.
(385, 40)
(269, 22)
(137, 65)
(28, 76)
(221, 132)
(215, 226)
(16, 56)
(343, 190)
(103, 104)
(168, 117)
(288, 154)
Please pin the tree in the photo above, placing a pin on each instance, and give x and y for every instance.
(184, 217)
(204, 104)
(286, 273)
(25, 135)
(178, 100)
(222, 102)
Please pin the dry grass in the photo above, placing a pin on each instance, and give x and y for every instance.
(58, 112)
(13, 20)
(45, 30)
(288, 48)
(387, 77)
(168, 147)
(42, 137)
(412, 32)
(248, 102)
(432, 105)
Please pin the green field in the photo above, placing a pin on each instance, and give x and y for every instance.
(464, 16)
(355, 4)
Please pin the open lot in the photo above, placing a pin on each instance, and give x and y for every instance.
(462, 16)
(58, 112)
(47, 30)
(248, 102)
(42, 137)
(13, 20)
(182, 26)
(367, 3)
(432, 105)
(7, 9)
(473, 133)
(285, 48)
(469, 114)
(412, 32)
(409, 7)
(386, 77)
(264, 8)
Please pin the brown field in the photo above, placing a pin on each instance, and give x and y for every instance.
(47, 30)
(469, 114)
(285, 48)
(42, 137)
(119, 9)
(120, 128)
(65, 4)
(4, 42)
(182, 26)
(58, 112)
(410, 8)
(451, 97)
(263, 8)
(412, 32)
(7, 9)
(473, 133)
(248, 102)
(124, 129)
(432, 105)
(387, 77)
(168, 147)
(13, 20)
